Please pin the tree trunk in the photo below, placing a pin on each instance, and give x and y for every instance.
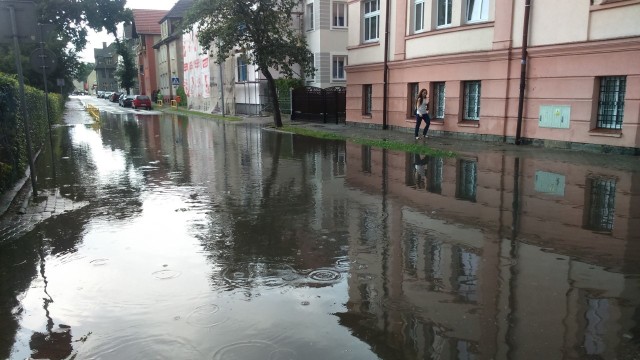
(277, 119)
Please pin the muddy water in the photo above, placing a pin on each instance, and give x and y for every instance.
(185, 238)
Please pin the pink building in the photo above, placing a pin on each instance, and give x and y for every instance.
(146, 31)
(582, 75)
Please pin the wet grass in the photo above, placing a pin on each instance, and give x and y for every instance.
(198, 113)
(383, 144)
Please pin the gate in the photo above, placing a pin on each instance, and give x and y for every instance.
(312, 103)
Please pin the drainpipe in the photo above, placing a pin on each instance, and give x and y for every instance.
(523, 69)
(385, 94)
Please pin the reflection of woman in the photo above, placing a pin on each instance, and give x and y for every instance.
(422, 113)
(419, 171)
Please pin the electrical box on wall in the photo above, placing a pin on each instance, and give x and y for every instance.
(549, 183)
(554, 116)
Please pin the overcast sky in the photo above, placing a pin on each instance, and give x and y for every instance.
(95, 40)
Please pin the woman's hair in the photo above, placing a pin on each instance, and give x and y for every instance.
(420, 97)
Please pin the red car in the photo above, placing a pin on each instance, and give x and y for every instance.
(141, 101)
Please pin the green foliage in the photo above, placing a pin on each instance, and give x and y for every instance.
(262, 30)
(126, 71)
(83, 70)
(13, 152)
(183, 96)
(284, 84)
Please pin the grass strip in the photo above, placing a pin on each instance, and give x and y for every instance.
(201, 114)
(383, 144)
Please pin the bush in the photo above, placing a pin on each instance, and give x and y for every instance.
(13, 149)
(183, 96)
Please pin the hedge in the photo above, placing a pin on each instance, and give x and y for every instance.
(13, 150)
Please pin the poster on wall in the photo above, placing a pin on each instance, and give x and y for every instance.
(196, 66)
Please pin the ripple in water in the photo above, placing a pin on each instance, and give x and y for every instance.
(253, 349)
(205, 316)
(324, 275)
(99, 262)
(261, 274)
(165, 274)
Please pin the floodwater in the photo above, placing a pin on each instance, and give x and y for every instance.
(189, 238)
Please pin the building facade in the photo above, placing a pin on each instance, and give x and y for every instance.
(106, 60)
(326, 26)
(146, 32)
(582, 82)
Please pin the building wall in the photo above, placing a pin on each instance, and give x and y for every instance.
(571, 46)
(147, 58)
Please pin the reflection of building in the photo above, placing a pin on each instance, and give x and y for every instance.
(469, 54)
(106, 62)
(490, 256)
(146, 32)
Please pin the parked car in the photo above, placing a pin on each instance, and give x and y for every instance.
(141, 101)
(115, 96)
(125, 100)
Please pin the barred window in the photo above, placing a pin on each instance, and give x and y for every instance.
(611, 102)
(412, 89)
(600, 204)
(438, 100)
(367, 99)
(435, 169)
(471, 100)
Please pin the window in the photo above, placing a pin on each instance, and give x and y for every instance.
(310, 25)
(471, 100)
(371, 20)
(600, 204)
(366, 159)
(444, 12)
(367, 99)
(418, 16)
(435, 169)
(477, 10)
(611, 102)
(437, 108)
(339, 14)
(338, 63)
(242, 69)
(412, 90)
(467, 180)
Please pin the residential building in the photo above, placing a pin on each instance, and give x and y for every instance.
(92, 82)
(325, 26)
(145, 33)
(106, 60)
(582, 78)
(169, 52)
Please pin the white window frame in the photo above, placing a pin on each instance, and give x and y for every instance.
(334, 58)
(339, 8)
(418, 16)
(242, 63)
(448, 13)
(477, 13)
(309, 17)
(368, 16)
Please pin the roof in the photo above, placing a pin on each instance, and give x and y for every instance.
(178, 10)
(147, 21)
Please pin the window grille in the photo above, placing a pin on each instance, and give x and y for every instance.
(435, 166)
(367, 97)
(412, 89)
(467, 183)
(438, 100)
(611, 102)
(471, 100)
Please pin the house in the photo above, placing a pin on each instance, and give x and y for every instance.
(579, 60)
(106, 60)
(169, 59)
(326, 26)
(146, 32)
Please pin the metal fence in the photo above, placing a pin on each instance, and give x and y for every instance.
(312, 103)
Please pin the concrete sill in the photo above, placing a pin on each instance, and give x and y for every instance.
(474, 124)
(606, 133)
(438, 122)
(366, 116)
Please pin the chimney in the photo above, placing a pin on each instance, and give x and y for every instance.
(104, 45)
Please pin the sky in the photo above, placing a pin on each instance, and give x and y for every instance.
(95, 40)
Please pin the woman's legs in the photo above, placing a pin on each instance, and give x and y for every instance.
(418, 121)
(427, 121)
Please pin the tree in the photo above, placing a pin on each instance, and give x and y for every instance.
(126, 71)
(83, 70)
(262, 30)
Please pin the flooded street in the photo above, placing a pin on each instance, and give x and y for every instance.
(168, 237)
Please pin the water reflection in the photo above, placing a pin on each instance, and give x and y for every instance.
(303, 248)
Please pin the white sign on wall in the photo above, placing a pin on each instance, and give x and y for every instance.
(196, 66)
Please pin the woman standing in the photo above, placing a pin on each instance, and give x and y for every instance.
(422, 113)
